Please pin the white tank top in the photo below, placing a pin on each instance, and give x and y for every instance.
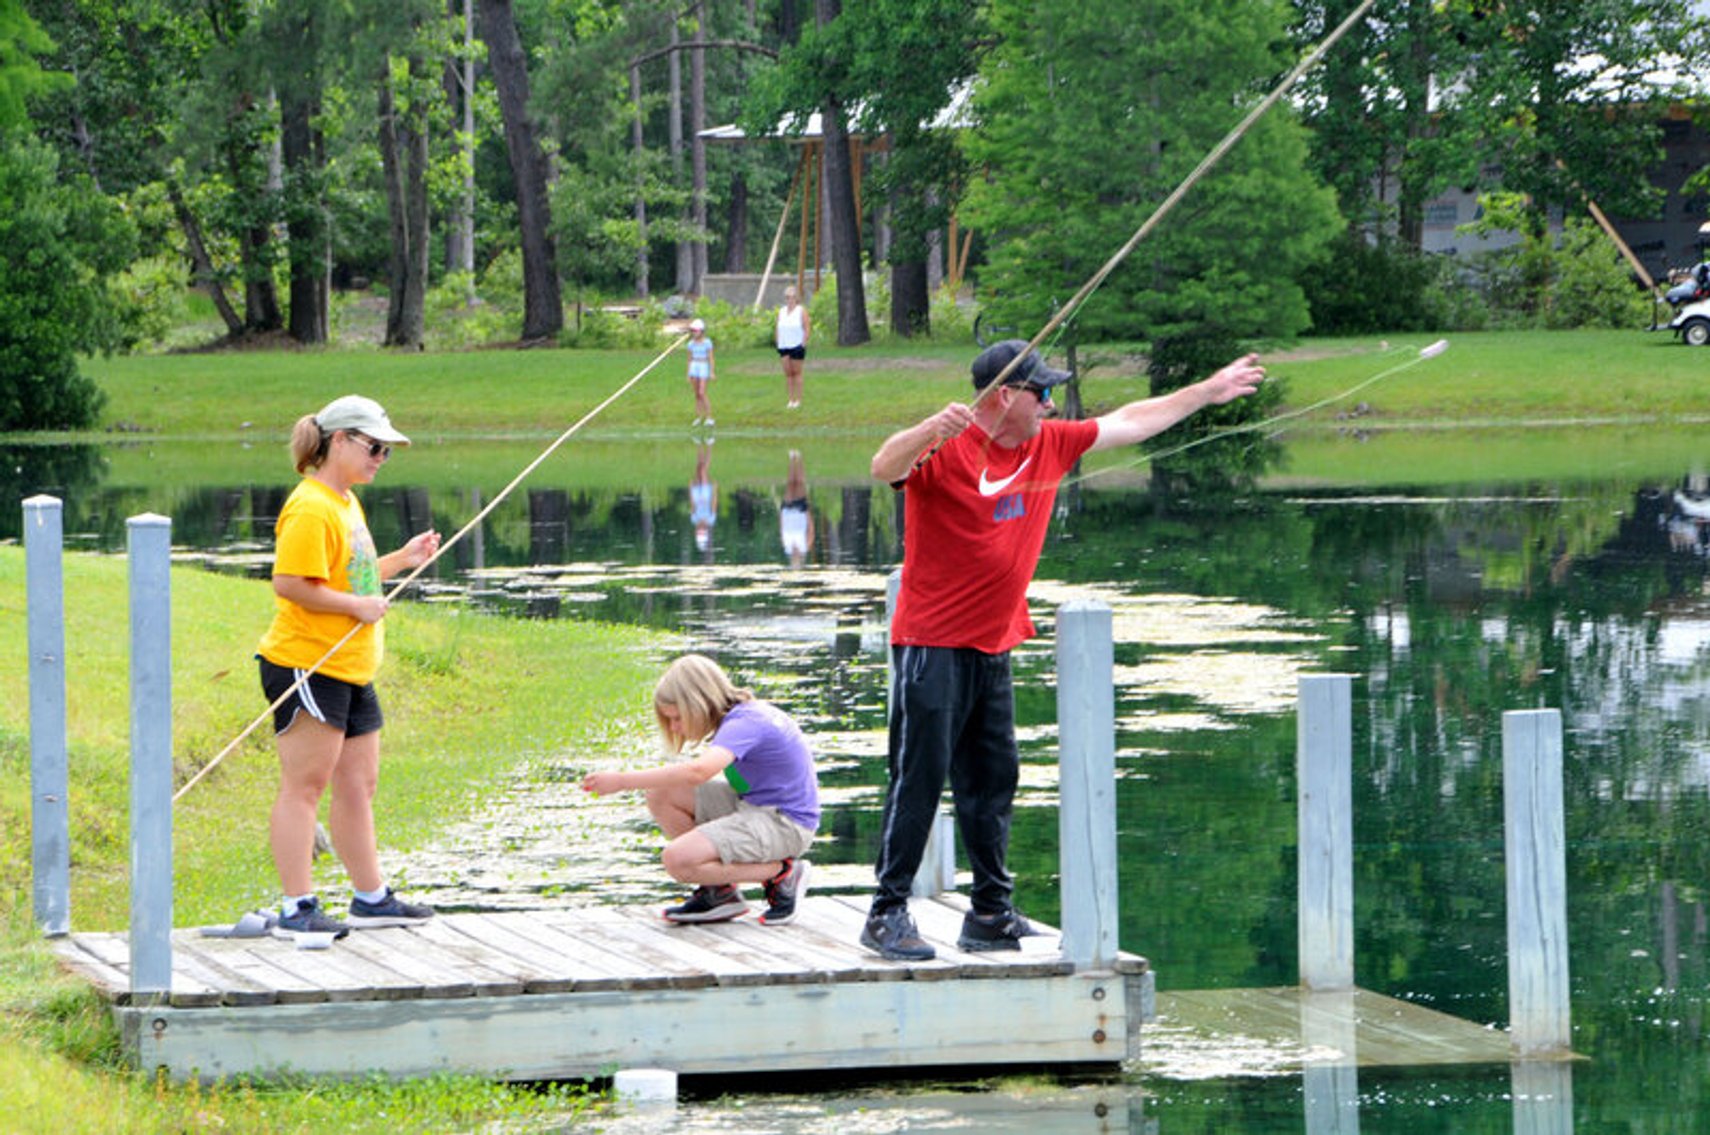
(790, 326)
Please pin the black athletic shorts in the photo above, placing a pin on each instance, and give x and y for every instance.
(354, 709)
(792, 352)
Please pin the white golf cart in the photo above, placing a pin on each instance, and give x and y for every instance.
(1689, 299)
(1692, 323)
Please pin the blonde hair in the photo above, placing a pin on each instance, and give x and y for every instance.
(308, 443)
(701, 693)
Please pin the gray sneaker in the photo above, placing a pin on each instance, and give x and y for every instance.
(892, 934)
(1001, 931)
(389, 911)
(308, 918)
(784, 891)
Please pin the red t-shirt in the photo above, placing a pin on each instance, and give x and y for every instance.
(974, 521)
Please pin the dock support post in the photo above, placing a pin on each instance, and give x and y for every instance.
(1536, 859)
(1086, 810)
(150, 554)
(1543, 1097)
(937, 871)
(1324, 771)
(50, 816)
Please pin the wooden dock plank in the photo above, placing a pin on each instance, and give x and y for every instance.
(597, 963)
(76, 954)
(189, 987)
(499, 948)
(824, 958)
(235, 989)
(657, 964)
(719, 949)
(255, 965)
(441, 972)
(1292, 1027)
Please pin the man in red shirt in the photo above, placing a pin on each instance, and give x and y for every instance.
(975, 514)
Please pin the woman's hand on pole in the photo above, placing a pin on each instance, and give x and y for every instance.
(420, 549)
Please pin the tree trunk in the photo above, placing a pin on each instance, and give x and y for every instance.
(736, 238)
(543, 306)
(403, 159)
(698, 149)
(685, 252)
(638, 148)
(201, 263)
(460, 96)
(840, 204)
(911, 303)
(304, 153)
(260, 297)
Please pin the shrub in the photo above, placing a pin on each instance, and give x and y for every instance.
(1593, 286)
(1361, 287)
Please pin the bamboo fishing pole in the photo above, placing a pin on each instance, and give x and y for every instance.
(444, 547)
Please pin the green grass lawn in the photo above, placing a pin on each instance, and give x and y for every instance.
(1489, 377)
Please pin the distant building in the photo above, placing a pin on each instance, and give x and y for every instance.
(1669, 240)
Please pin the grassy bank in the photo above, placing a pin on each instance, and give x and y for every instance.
(468, 699)
(1485, 378)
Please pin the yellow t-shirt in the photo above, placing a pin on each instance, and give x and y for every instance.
(321, 535)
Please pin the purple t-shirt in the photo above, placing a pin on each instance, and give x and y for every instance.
(772, 759)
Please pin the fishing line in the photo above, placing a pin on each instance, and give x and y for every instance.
(1430, 351)
(444, 547)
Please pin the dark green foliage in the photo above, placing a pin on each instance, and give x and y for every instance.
(1225, 465)
(1361, 287)
(63, 241)
(1090, 118)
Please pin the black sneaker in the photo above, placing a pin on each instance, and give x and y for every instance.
(709, 904)
(308, 918)
(389, 911)
(892, 934)
(1002, 931)
(784, 890)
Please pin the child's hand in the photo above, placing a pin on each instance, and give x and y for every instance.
(603, 783)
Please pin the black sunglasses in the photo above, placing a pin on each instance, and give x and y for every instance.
(1043, 393)
(375, 448)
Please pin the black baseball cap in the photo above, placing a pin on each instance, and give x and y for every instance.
(1032, 371)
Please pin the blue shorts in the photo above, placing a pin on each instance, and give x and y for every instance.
(354, 709)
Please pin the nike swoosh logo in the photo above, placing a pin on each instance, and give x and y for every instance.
(990, 488)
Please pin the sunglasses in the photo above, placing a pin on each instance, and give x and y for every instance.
(375, 448)
(1043, 393)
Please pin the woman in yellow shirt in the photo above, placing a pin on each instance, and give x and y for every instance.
(326, 574)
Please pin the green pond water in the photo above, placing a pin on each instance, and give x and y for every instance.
(1583, 592)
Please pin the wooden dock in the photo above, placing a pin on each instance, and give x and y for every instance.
(582, 992)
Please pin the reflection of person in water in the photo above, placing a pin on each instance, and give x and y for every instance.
(703, 498)
(795, 522)
(1688, 522)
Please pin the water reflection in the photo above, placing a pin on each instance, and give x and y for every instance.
(1450, 608)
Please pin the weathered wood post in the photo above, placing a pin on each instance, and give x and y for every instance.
(1543, 1097)
(1086, 809)
(1330, 1074)
(50, 816)
(937, 871)
(150, 553)
(1536, 857)
(1324, 771)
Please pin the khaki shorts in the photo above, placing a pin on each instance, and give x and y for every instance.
(744, 833)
